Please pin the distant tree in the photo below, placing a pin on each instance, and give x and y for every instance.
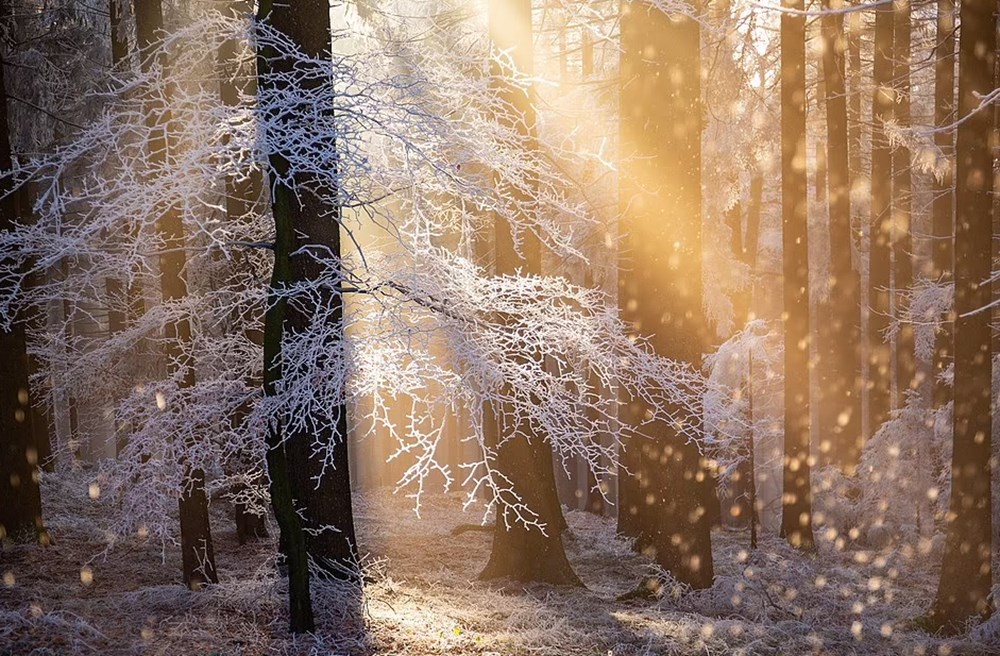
(966, 575)
(943, 206)
(244, 194)
(839, 332)
(660, 288)
(20, 495)
(196, 537)
(880, 232)
(522, 457)
(902, 190)
(796, 507)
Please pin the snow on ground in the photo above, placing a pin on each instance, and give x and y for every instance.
(423, 596)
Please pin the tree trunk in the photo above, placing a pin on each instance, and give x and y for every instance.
(966, 576)
(660, 292)
(525, 553)
(796, 507)
(243, 197)
(879, 272)
(943, 208)
(309, 239)
(196, 537)
(840, 331)
(902, 240)
(20, 495)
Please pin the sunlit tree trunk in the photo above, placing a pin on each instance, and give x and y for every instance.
(308, 240)
(902, 240)
(20, 495)
(880, 231)
(840, 331)
(966, 575)
(660, 292)
(943, 208)
(527, 553)
(196, 537)
(796, 515)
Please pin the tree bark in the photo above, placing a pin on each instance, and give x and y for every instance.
(902, 239)
(880, 233)
(308, 225)
(660, 293)
(966, 576)
(20, 495)
(521, 552)
(243, 196)
(796, 507)
(196, 537)
(943, 208)
(840, 331)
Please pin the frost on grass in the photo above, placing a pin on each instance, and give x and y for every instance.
(422, 595)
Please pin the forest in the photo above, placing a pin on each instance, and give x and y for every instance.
(499, 327)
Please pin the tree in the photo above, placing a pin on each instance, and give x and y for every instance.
(796, 507)
(196, 536)
(840, 333)
(307, 228)
(660, 291)
(966, 575)
(522, 457)
(20, 495)
(943, 207)
(880, 233)
(243, 194)
(902, 188)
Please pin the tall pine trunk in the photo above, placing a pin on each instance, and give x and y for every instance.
(902, 240)
(660, 291)
(20, 495)
(966, 575)
(840, 332)
(943, 208)
(196, 538)
(796, 507)
(880, 231)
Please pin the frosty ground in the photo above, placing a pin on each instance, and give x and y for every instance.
(423, 597)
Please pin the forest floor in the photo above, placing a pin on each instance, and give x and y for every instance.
(423, 596)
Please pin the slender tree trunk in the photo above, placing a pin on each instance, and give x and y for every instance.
(840, 331)
(966, 575)
(243, 195)
(902, 240)
(796, 515)
(527, 553)
(879, 272)
(660, 292)
(196, 537)
(20, 495)
(943, 208)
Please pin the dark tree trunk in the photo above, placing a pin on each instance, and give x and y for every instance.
(196, 537)
(20, 496)
(796, 507)
(526, 553)
(309, 238)
(880, 233)
(966, 576)
(943, 208)
(660, 291)
(902, 240)
(840, 331)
